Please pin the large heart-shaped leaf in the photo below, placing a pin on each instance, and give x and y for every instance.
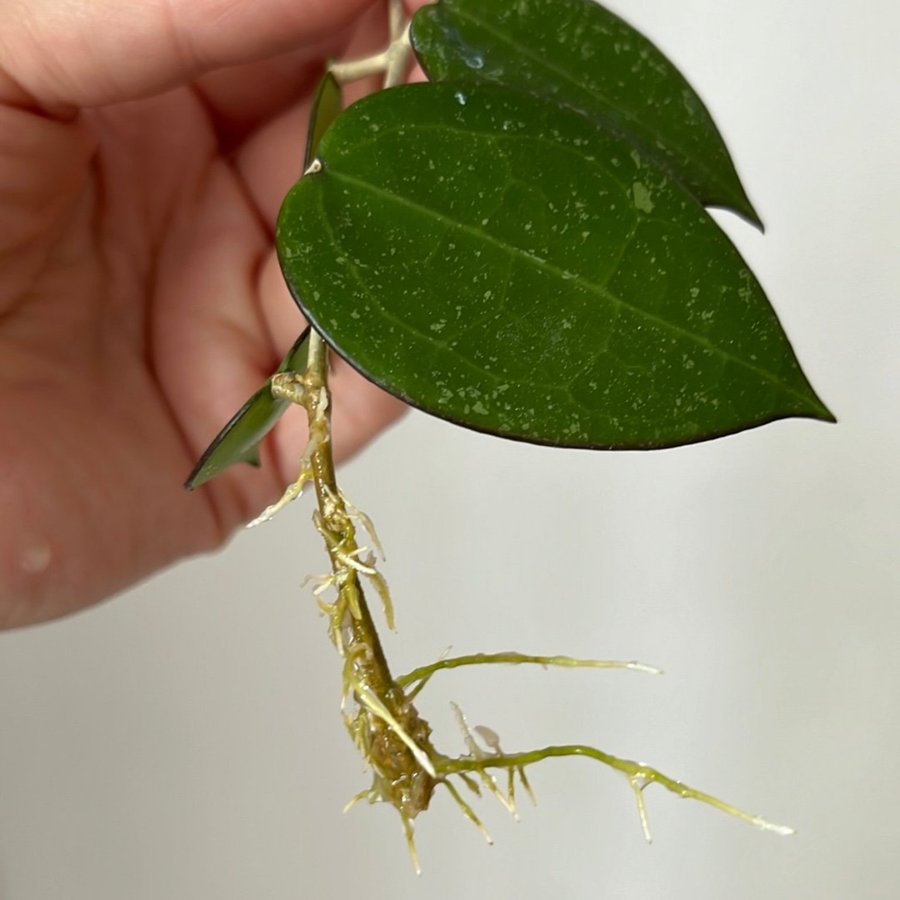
(504, 264)
(581, 55)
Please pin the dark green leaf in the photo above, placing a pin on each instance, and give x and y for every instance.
(500, 262)
(583, 56)
(326, 107)
(239, 440)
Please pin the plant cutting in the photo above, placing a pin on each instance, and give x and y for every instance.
(521, 246)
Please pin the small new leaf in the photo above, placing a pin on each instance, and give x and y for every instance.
(327, 105)
(239, 440)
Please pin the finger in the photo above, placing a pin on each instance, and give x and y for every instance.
(360, 410)
(107, 51)
(42, 162)
(242, 98)
(271, 159)
(210, 350)
(277, 307)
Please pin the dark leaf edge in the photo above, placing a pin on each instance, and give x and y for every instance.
(739, 205)
(816, 411)
(257, 417)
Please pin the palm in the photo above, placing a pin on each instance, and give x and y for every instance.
(145, 313)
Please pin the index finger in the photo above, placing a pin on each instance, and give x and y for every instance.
(59, 54)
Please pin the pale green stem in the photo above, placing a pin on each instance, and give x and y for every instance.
(392, 62)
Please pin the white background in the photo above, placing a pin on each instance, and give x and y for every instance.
(183, 741)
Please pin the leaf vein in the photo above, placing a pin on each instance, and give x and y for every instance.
(591, 287)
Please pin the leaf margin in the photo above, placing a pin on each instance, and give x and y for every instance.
(451, 60)
(815, 409)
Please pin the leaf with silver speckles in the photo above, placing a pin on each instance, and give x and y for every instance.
(506, 264)
(579, 54)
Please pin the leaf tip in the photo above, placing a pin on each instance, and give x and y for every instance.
(816, 410)
(200, 474)
(752, 217)
(826, 415)
(741, 206)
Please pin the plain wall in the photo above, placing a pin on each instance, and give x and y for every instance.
(183, 740)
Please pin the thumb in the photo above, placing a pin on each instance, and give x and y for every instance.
(59, 54)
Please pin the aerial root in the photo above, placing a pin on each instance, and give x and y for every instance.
(291, 493)
(467, 810)
(411, 842)
(637, 786)
(368, 699)
(365, 565)
(289, 386)
(638, 774)
(384, 594)
(354, 512)
(414, 681)
(336, 527)
(351, 560)
(357, 798)
(492, 742)
(406, 821)
(389, 702)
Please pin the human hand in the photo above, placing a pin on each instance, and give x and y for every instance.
(144, 151)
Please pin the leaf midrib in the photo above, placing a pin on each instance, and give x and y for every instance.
(589, 286)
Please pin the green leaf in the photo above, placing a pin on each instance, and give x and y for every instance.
(504, 264)
(327, 105)
(239, 440)
(583, 56)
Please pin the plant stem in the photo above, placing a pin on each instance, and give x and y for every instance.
(392, 62)
(361, 644)
(338, 530)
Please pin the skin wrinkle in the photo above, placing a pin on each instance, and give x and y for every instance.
(31, 205)
(184, 47)
(64, 79)
(29, 43)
